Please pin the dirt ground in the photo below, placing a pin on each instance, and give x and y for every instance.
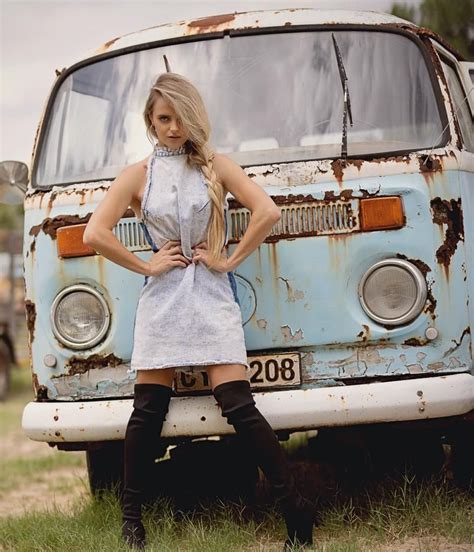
(60, 487)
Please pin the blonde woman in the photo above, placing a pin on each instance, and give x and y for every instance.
(187, 313)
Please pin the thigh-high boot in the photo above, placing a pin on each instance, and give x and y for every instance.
(144, 427)
(237, 405)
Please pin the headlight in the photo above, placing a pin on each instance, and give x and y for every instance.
(393, 292)
(80, 317)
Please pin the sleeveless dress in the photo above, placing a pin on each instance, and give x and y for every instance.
(187, 316)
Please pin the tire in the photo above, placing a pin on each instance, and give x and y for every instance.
(105, 468)
(462, 457)
(5, 370)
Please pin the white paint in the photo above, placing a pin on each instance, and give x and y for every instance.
(406, 400)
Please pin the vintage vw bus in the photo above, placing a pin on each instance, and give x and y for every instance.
(358, 308)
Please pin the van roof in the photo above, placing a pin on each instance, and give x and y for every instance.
(258, 19)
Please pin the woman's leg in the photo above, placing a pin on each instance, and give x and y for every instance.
(231, 389)
(151, 401)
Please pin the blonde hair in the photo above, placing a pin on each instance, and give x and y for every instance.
(186, 101)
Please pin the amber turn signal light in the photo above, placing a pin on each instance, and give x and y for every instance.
(381, 213)
(69, 242)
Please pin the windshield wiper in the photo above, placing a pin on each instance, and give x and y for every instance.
(347, 98)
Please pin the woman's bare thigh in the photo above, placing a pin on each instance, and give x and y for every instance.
(222, 373)
(163, 376)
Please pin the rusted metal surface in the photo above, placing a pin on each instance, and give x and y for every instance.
(212, 21)
(304, 217)
(449, 213)
(275, 18)
(35, 381)
(30, 318)
(50, 225)
(453, 122)
(105, 381)
(80, 365)
(430, 306)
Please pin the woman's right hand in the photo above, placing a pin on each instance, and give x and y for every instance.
(168, 257)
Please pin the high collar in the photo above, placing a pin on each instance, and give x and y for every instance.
(164, 151)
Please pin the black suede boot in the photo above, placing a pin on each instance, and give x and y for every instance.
(144, 427)
(237, 404)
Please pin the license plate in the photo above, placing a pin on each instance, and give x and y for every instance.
(268, 371)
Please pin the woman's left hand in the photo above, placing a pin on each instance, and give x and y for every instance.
(201, 253)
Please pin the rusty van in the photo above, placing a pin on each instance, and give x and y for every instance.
(358, 308)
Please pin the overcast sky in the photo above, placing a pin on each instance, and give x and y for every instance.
(39, 36)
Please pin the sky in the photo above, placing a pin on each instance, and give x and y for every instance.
(40, 36)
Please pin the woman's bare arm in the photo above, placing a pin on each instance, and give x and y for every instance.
(264, 212)
(98, 233)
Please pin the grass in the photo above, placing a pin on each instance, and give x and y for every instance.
(382, 516)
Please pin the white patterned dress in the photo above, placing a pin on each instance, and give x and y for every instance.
(187, 316)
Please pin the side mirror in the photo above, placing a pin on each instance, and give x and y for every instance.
(13, 182)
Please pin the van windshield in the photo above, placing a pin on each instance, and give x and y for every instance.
(271, 98)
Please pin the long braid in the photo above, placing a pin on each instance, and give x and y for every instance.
(202, 157)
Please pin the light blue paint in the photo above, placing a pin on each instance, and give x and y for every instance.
(305, 289)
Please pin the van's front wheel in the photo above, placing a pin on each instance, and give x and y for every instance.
(105, 468)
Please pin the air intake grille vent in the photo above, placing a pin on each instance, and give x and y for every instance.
(130, 233)
(313, 218)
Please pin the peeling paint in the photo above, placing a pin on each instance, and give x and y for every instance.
(212, 21)
(30, 309)
(80, 365)
(449, 213)
(50, 225)
(262, 323)
(293, 295)
(288, 336)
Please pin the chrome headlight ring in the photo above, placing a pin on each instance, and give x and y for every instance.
(404, 268)
(104, 310)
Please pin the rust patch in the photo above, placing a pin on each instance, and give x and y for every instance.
(109, 43)
(262, 323)
(424, 269)
(414, 342)
(293, 295)
(448, 212)
(36, 137)
(338, 167)
(79, 365)
(42, 393)
(420, 265)
(30, 309)
(35, 381)
(212, 21)
(429, 166)
(364, 334)
(50, 225)
(440, 73)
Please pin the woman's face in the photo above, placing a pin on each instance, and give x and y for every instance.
(168, 128)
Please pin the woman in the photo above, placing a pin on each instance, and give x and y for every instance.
(187, 313)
